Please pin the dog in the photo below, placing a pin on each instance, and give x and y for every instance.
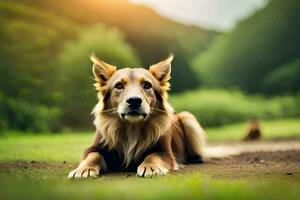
(136, 127)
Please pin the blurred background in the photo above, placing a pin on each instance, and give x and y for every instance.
(234, 60)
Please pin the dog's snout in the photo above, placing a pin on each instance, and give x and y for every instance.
(134, 102)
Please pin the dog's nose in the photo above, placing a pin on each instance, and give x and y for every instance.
(134, 102)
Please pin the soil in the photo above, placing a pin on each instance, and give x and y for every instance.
(260, 159)
(237, 160)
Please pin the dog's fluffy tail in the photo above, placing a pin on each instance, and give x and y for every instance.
(194, 137)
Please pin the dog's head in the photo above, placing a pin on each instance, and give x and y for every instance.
(132, 94)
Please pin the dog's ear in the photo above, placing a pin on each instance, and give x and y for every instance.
(162, 70)
(102, 70)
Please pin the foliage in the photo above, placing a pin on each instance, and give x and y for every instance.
(246, 57)
(284, 79)
(28, 49)
(152, 35)
(27, 116)
(219, 107)
(76, 70)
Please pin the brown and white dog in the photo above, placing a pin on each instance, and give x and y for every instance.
(136, 127)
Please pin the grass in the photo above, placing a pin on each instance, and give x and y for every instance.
(275, 129)
(49, 181)
(34, 184)
(48, 147)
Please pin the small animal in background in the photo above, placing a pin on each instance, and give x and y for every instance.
(253, 130)
(136, 127)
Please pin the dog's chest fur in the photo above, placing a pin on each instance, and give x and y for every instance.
(131, 136)
(131, 140)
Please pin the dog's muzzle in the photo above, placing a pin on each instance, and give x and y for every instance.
(133, 112)
(134, 116)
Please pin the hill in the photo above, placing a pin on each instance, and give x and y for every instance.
(247, 57)
(152, 35)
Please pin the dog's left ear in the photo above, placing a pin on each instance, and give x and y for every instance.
(162, 70)
(102, 70)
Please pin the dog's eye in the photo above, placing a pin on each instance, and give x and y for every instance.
(119, 86)
(147, 85)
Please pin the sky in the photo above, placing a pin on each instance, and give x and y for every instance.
(220, 15)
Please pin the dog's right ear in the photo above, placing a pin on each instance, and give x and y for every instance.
(102, 70)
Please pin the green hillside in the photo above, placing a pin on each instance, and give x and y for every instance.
(30, 43)
(246, 57)
(43, 42)
(152, 35)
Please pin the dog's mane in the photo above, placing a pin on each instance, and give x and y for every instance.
(131, 140)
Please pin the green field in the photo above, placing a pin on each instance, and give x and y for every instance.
(53, 184)
(36, 167)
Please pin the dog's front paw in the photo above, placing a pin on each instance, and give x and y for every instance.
(149, 170)
(84, 172)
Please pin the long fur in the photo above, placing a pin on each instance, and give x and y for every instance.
(131, 139)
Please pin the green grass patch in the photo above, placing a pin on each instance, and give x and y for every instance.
(47, 147)
(275, 129)
(47, 184)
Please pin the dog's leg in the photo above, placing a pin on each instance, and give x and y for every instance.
(89, 167)
(156, 164)
(194, 137)
(91, 162)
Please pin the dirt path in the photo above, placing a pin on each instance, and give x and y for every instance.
(231, 160)
(262, 159)
(223, 149)
(258, 165)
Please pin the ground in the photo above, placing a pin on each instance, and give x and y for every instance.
(36, 167)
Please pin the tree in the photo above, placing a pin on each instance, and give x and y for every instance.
(28, 52)
(245, 57)
(284, 79)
